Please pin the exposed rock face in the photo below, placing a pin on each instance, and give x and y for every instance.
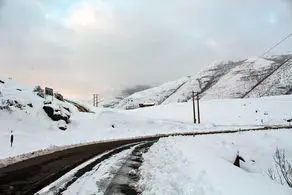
(57, 112)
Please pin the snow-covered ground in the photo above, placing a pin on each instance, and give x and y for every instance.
(194, 165)
(34, 130)
(204, 164)
(95, 181)
(226, 112)
(198, 165)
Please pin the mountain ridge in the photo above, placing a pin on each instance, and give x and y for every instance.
(252, 77)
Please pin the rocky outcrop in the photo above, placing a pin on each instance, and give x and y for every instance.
(57, 112)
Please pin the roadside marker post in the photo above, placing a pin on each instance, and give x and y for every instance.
(194, 109)
(198, 108)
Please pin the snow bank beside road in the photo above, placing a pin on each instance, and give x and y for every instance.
(204, 164)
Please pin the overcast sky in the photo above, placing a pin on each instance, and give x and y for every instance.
(83, 46)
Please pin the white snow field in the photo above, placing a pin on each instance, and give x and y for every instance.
(178, 165)
(274, 110)
(34, 130)
(204, 165)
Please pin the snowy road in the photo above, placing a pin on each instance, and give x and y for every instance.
(115, 172)
(30, 176)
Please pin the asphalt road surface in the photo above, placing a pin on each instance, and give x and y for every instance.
(30, 176)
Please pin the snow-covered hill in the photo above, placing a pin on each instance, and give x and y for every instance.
(156, 95)
(254, 77)
(21, 110)
(23, 103)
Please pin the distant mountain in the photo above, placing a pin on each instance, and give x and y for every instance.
(111, 102)
(253, 77)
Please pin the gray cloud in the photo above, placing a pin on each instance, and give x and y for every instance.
(133, 42)
(289, 2)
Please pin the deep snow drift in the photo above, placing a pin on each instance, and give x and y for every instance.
(204, 165)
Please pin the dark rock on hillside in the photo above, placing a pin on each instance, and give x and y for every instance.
(57, 113)
(62, 125)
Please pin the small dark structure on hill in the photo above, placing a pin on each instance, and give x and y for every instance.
(146, 105)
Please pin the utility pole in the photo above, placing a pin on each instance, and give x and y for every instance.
(95, 100)
(194, 109)
(198, 107)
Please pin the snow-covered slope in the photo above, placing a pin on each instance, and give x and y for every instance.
(203, 81)
(280, 82)
(240, 80)
(197, 164)
(254, 77)
(20, 103)
(156, 95)
(204, 165)
(177, 165)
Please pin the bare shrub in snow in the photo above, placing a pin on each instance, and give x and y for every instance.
(5, 106)
(39, 91)
(283, 169)
(37, 88)
(59, 97)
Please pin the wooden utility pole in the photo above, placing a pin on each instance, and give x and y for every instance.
(198, 107)
(194, 109)
(95, 100)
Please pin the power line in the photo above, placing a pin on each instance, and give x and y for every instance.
(277, 44)
(261, 56)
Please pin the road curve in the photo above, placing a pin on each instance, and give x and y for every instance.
(31, 175)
